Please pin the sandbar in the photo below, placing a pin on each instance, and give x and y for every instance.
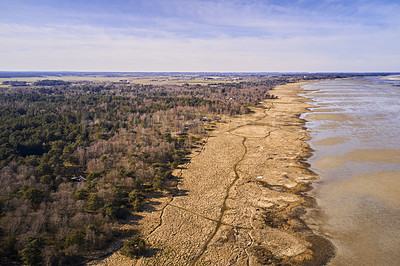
(329, 141)
(359, 155)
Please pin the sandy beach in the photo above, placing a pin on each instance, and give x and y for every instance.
(239, 199)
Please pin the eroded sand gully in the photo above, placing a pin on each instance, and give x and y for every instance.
(240, 198)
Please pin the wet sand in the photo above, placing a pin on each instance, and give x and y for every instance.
(361, 155)
(239, 199)
(329, 141)
(357, 154)
(327, 116)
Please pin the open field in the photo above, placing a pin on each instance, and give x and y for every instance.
(240, 197)
(169, 79)
(160, 78)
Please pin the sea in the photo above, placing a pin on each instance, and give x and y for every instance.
(355, 134)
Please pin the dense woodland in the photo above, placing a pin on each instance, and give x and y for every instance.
(77, 159)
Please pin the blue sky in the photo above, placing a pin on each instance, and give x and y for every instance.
(201, 35)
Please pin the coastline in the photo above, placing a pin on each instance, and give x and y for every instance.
(358, 161)
(240, 198)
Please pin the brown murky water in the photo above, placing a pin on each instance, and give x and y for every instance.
(355, 132)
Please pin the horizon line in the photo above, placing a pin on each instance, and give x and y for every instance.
(197, 72)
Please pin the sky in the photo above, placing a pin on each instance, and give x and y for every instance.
(200, 35)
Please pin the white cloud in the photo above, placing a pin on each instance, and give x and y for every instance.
(208, 36)
(92, 49)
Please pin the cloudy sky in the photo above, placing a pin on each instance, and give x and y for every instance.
(200, 35)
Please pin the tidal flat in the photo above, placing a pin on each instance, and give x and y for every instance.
(358, 161)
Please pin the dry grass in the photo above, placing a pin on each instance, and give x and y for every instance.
(239, 200)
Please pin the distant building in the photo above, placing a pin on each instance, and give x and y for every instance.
(207, 119)
(190, 125)
(79, 179)
(177, 133)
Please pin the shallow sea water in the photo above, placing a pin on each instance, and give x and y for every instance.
(355, 132)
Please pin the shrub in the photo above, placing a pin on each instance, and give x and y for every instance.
(93, 203)
(31, 253)
(81, 194)
(133, 248)
(136, 199)
(8, 250)
(34, 195)
(75, 239)
(116, 212)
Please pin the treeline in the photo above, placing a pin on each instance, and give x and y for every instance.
(76, 159)
(50, 82)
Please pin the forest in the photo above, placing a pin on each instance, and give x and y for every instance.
(79, 158)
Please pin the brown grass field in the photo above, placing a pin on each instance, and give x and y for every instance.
(240, 198)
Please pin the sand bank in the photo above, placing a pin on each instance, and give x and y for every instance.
(329, 141)
(327, 116)
(239, 199)
(360, 155)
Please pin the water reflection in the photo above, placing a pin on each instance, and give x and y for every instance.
(356, 138)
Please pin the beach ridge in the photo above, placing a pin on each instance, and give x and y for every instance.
(240, 198)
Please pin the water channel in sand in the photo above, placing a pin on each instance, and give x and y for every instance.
(355, 132)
